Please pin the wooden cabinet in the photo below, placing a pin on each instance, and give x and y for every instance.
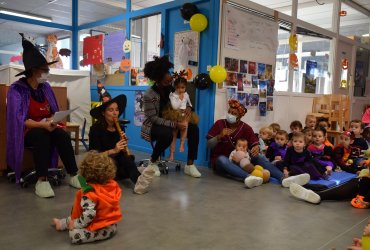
(61, 96)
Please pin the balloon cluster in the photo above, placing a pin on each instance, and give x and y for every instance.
(190, 12)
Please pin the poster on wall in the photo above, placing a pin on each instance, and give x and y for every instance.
(93, 50)
(186, 51)
(139, 115)
(309, 77)
(231, 93)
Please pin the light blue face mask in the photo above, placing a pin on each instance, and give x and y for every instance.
(231, 118)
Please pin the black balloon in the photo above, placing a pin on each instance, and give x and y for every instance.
(202, 81)
(188, 10)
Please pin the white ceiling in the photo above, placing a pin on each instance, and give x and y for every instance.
(93, 10)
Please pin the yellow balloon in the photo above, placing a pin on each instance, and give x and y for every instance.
(217, 74)
(198, 22)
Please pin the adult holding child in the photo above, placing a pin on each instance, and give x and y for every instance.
(158, 129)
(222, 140)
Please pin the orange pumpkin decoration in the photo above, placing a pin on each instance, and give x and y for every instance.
(189, 73)
(344, 63)
(293, 60)
(125, 65)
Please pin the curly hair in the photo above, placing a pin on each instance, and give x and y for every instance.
(97, 168)
(157, 69)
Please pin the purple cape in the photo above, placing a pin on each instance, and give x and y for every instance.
(18, 100)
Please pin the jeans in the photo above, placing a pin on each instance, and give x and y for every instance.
(266, 164)
(224, 165)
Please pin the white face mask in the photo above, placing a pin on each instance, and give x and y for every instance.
(43, 78)
(231, 118)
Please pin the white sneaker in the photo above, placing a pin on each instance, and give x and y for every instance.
(253, 181)
(74, 182)
(43, 189)
(301, 179)
(304, 194)
(192, 171)
(154, 166)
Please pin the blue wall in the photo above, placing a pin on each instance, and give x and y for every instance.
(205, 100)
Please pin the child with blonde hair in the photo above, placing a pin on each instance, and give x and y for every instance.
(96, 208)
(275, 128)
(264, 136)
(310, 121)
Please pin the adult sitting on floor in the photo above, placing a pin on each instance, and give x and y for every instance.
(31, 104)
(155, 127)
(222, 138)
(104, 137)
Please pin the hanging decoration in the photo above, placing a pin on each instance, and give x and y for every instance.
(188, 10)
(342, 13)
(127, 46)
(293, 59)
(93, 50)
(198, 22)
(218, 74)
(344, 75)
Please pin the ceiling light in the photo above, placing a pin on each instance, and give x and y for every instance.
(366, 35)
(25, 15)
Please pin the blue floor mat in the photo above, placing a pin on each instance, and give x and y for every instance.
(335, 179)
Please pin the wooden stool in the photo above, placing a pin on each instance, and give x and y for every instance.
(75, 128)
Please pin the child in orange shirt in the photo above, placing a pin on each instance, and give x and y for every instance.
(96, 209)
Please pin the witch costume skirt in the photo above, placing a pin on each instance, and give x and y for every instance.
(179, 115)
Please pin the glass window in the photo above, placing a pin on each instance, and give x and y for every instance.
(11, 43)
(145, 39)
(362, 72)
(313, 75)
(355, 24)
(94, 10)
(140, 4)
(109, 72)
(319, 13)
(282, 62)
(283, 6)
(65, 43)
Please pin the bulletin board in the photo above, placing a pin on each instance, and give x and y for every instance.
(248, 52)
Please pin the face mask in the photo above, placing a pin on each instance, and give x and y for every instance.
(43, 78)
(230, 118)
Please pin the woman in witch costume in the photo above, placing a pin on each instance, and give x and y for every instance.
(104, 137)
(31, 104)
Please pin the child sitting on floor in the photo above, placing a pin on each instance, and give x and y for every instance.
(323, 122)
(264, 136)
(366, 135)
(275, 128)
(322, 153)
(298, 160)
(359, 144)
(295, 126)
(96, 208)
(342, 153)
(307, 135)
(179, 101)
(240, 155)
(277, 149)
(310, 121)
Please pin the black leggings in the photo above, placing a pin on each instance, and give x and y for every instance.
(126, 167)
(42, 142)
(162, 135)
(344, 191)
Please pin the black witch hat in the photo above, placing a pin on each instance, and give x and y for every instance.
(32, 57)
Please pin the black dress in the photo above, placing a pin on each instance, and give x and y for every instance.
(102, 140)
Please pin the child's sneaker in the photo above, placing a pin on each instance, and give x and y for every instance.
(253, 181)
(304, 194)
(301, 179)
(359, 202)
